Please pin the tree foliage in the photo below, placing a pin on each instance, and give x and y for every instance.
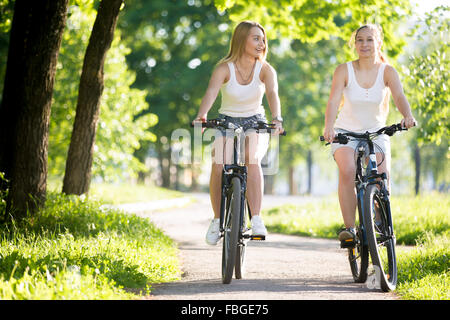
(315, 20)
(119, 133)
(427, 77)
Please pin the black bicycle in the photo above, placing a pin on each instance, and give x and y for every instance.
(374, 227)
(234, 208)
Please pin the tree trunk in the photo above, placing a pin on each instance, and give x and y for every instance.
(292, 181)
(77, 177)
(35, 39)
(417, 167)
(309, 161)
(269, 184)
(164, 164)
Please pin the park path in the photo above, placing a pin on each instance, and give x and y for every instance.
(281, 268)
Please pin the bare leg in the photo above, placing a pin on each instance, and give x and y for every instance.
(255, 188)
(215, 184)
(346, 189)
(219, 153)
(385, 167)
(255, 177)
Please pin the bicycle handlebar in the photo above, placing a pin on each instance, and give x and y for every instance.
(260, 125)
(343, 138)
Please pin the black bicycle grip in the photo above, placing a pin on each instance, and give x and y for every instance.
(322, 138)
(205, 125)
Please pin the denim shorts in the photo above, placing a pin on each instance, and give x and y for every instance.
(258, 144)
(381, 143)
(245, 122)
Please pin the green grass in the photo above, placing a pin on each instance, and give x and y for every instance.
(120, 193)
(74, 250)
(416, 216)
(126, 193)
(413, 217)
(424, 271)
(319, 218)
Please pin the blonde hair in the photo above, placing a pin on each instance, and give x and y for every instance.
(378, 34)
(239, 38)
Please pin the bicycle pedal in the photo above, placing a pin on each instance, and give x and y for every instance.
(257, 238)
(348, 243)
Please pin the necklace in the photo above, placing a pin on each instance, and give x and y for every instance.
(250, 74)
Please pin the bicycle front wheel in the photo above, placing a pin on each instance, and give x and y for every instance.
(358, 257)
(380, 236)
(240, 255)
(231, 230)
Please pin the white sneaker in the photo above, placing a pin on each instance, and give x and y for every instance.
(213, 234)
(258, 228)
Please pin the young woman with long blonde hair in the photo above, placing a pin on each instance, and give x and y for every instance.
(364, 84)
(242, 77)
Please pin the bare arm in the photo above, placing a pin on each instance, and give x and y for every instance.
(337, 89)
(269, 77)
(218, 77)
(392, 80)
(271, 82)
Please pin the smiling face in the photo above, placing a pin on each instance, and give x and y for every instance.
(367, 43)
(249, 38)
(255, 45)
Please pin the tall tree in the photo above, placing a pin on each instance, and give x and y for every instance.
(77, 177)
(119, 133)
(35, 39)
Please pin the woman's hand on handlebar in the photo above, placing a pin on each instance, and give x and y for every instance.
(278, 127)
(329, 134)
(408, 122)
(199, 118)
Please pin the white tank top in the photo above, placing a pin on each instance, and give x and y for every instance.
(242, 100)
(363, 108)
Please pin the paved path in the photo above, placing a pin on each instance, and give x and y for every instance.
(282, 267)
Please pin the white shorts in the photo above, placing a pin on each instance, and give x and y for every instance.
(381, 143)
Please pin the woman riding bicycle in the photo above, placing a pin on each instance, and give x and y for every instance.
(242, 77)
(364, 84)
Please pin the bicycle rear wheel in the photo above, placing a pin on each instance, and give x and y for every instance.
(231, 230)
(380, 236)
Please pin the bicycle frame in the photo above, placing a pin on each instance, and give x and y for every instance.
(370, 176)
(230, 171)
(236, 169)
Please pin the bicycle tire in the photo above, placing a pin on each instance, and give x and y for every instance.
(380, 237)
(239, 270)
(358, 256)
(231, 231)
